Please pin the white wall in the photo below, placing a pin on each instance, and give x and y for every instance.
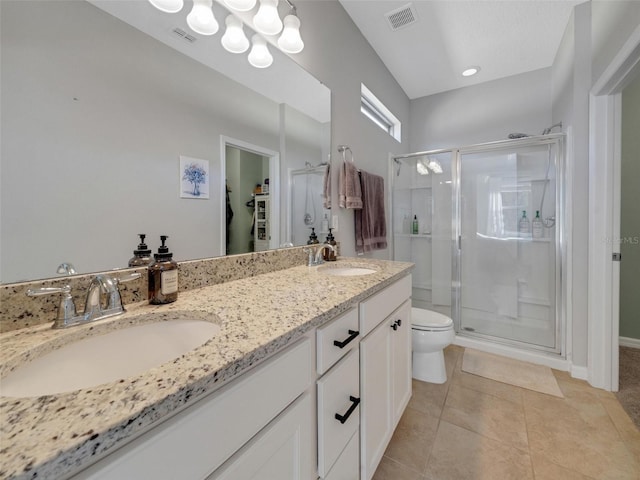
(337, 54)
(482, 113)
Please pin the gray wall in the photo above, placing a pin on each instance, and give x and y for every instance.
(337, 54)
(108, 116)
(482, 113)
(594, 35)
(630, 213)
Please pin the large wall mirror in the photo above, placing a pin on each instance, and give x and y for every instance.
(102, 99)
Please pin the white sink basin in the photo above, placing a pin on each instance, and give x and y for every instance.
(346, 271)
(107, 358)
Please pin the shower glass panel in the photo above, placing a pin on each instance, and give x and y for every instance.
(507, 263)
(422, 226)
(476, 260)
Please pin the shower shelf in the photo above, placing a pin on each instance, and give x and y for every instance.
(413, 235)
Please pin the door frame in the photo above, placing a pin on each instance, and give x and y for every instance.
(274, 187)
(605, 102)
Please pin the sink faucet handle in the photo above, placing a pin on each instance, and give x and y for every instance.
(127, 278)
(67, 307)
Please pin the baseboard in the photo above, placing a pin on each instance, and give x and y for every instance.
(629, 342)
(580, 373)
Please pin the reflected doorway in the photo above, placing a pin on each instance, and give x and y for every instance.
(250, 191)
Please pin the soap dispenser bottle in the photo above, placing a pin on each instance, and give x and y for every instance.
(328, 254)
(163, 276)
(141, 255)
(313, 238)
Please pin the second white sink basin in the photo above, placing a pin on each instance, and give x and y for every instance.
(107, 358)
(346, 271)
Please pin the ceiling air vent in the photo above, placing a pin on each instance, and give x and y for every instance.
(402, 17)
(182, 34)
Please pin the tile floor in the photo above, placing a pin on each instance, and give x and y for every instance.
(475, 428)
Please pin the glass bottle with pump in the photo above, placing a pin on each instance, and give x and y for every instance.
(524, 228)
(414, 225)
(313, 238)
(141, 255)
(537, 229)
(327, 254)
(163, 276)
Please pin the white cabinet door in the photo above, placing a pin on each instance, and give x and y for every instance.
(400, 360)
(280, 452)
(348, 464)
(375, 390)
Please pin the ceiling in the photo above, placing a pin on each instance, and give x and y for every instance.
(503, 38)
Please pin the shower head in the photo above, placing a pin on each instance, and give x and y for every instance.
(399, 163)
(547, 130)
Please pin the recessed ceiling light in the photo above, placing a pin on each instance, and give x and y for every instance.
(470, 71)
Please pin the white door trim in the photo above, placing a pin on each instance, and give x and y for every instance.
(604, 213)
(274, 184)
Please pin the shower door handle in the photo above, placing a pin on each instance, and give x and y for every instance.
(459, 242)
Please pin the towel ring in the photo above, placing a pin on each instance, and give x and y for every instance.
(343, 150)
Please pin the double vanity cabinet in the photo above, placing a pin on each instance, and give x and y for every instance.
(319, 399)
(324, 407)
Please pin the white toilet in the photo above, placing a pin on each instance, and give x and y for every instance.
(431, 332)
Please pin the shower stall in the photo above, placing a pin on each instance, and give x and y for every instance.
(484, 226)
(307, 206)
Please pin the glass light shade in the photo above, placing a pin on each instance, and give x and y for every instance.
(234, 40)
(267, 21)
(290, 41)
(201, 19)
(240, 5)
(259, 56)
(168, 6)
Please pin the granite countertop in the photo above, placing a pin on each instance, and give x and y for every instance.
(54, 435)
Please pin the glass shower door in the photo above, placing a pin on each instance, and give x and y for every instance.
(507, 263)
(422, 225)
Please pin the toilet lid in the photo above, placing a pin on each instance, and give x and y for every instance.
(429, 319)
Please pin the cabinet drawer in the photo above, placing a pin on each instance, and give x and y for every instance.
(376, 308)
(338, 394)
(344, 331)
(347, 467)
(196, 441)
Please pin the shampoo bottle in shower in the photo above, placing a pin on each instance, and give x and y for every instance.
(524, 228)
(536, 226)
(163, 276)
(325, 224)
(414, 225)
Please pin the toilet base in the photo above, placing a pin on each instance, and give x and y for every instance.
(429, 367)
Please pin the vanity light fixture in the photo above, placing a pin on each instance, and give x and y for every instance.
(259, 56)
(266, 22)
(168, 6)
(234, 40)
(470, 71)
(290, 41)
(240, 5)
(201, 19)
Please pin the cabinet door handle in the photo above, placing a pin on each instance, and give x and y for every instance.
(399, 322)
(354, 403)
(394, 325)
(352, 335)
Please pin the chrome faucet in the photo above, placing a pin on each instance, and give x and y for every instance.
(315, 253)
(94, 309)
